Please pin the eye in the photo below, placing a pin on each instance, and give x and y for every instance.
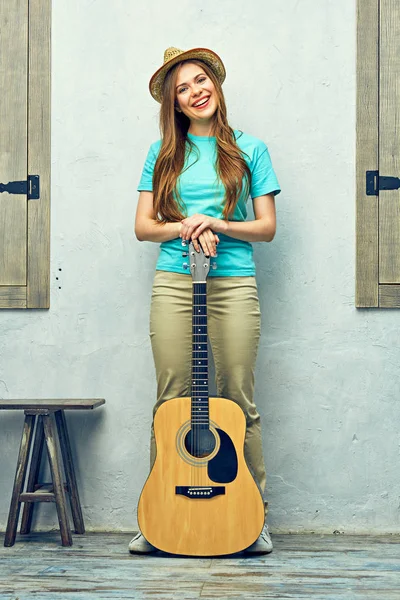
(181, 90)
(201, 79)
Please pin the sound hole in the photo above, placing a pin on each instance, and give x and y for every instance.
(200, 442)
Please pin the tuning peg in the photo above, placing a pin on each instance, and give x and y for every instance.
(184, 243)
(185, 266)
(184, 254)
(214, 265)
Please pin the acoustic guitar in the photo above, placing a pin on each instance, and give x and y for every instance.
(200, 498)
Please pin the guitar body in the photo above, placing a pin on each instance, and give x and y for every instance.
(200, 503)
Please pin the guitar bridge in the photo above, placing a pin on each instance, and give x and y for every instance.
(200, 492)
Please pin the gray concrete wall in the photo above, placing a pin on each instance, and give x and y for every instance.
(327, 374)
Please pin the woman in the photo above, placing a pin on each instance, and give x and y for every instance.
(194, 186)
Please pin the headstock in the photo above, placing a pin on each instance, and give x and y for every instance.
(199, 263)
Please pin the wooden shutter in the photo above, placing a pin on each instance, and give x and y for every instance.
(25, 150)
(378, 149)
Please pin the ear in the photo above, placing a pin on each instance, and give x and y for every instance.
(177, 108)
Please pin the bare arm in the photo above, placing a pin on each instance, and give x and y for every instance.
(261, 229)
(147, 228)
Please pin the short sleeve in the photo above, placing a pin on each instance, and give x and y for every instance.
(146, 180)
(263, 177)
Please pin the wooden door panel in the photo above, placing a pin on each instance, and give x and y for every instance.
(13, 139)
(389, 143)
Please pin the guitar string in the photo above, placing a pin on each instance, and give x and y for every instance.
(199, 324)
(194, 379)
(194, 441)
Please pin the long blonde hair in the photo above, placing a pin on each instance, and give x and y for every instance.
(231, 167)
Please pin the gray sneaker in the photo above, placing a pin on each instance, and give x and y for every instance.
(262, 545)
(139, 545)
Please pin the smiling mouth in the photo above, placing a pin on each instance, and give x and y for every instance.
(203, 104)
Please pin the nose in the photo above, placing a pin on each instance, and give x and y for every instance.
(196, 89)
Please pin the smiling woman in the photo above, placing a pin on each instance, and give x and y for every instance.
(194, 187)
(196, 94)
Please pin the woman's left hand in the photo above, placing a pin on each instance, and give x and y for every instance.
(193, 226)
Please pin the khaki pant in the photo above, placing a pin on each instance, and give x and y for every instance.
(233, 329)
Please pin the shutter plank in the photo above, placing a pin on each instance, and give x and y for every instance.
(12, 296)
(366, 153)
(13, 139)
(389, 145)
(38, 294)
(389, 296)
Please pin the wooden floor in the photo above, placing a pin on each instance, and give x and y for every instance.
(99, 566)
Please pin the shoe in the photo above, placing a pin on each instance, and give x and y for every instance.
(139, 545)
(262, 545)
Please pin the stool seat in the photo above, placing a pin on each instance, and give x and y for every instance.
(45, 424)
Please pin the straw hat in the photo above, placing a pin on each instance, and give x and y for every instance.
(175, 55)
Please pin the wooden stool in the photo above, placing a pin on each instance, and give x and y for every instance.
(50, 427)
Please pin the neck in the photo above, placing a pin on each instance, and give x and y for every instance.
(200, 405)
(201, 129)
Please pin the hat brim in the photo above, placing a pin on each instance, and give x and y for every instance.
(208, 56)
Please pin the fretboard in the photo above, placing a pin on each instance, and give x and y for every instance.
(200, 410)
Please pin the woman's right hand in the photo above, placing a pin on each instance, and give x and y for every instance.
(208, 241)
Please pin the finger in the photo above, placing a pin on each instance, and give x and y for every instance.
(200, 229)
(211, 243)
(189, 232)
(196, 245)
(205, 245)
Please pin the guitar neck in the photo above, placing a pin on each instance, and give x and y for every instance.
(200, 404)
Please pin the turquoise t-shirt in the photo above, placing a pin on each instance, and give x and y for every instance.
(201, 192)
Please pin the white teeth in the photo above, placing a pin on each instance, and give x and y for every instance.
(201, 103)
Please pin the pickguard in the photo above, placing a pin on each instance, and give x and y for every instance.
(224, 466)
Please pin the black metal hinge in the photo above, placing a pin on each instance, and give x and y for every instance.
(30, 187)
(375, 183)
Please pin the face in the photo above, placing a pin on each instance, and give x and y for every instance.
(195, 93)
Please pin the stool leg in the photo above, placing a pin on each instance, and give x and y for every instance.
(50, 433)
(33, 476)
(19, 481)
(69, 471)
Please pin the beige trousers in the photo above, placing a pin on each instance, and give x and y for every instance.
(233, 329)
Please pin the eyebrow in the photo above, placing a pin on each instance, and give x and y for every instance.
(184, 83)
